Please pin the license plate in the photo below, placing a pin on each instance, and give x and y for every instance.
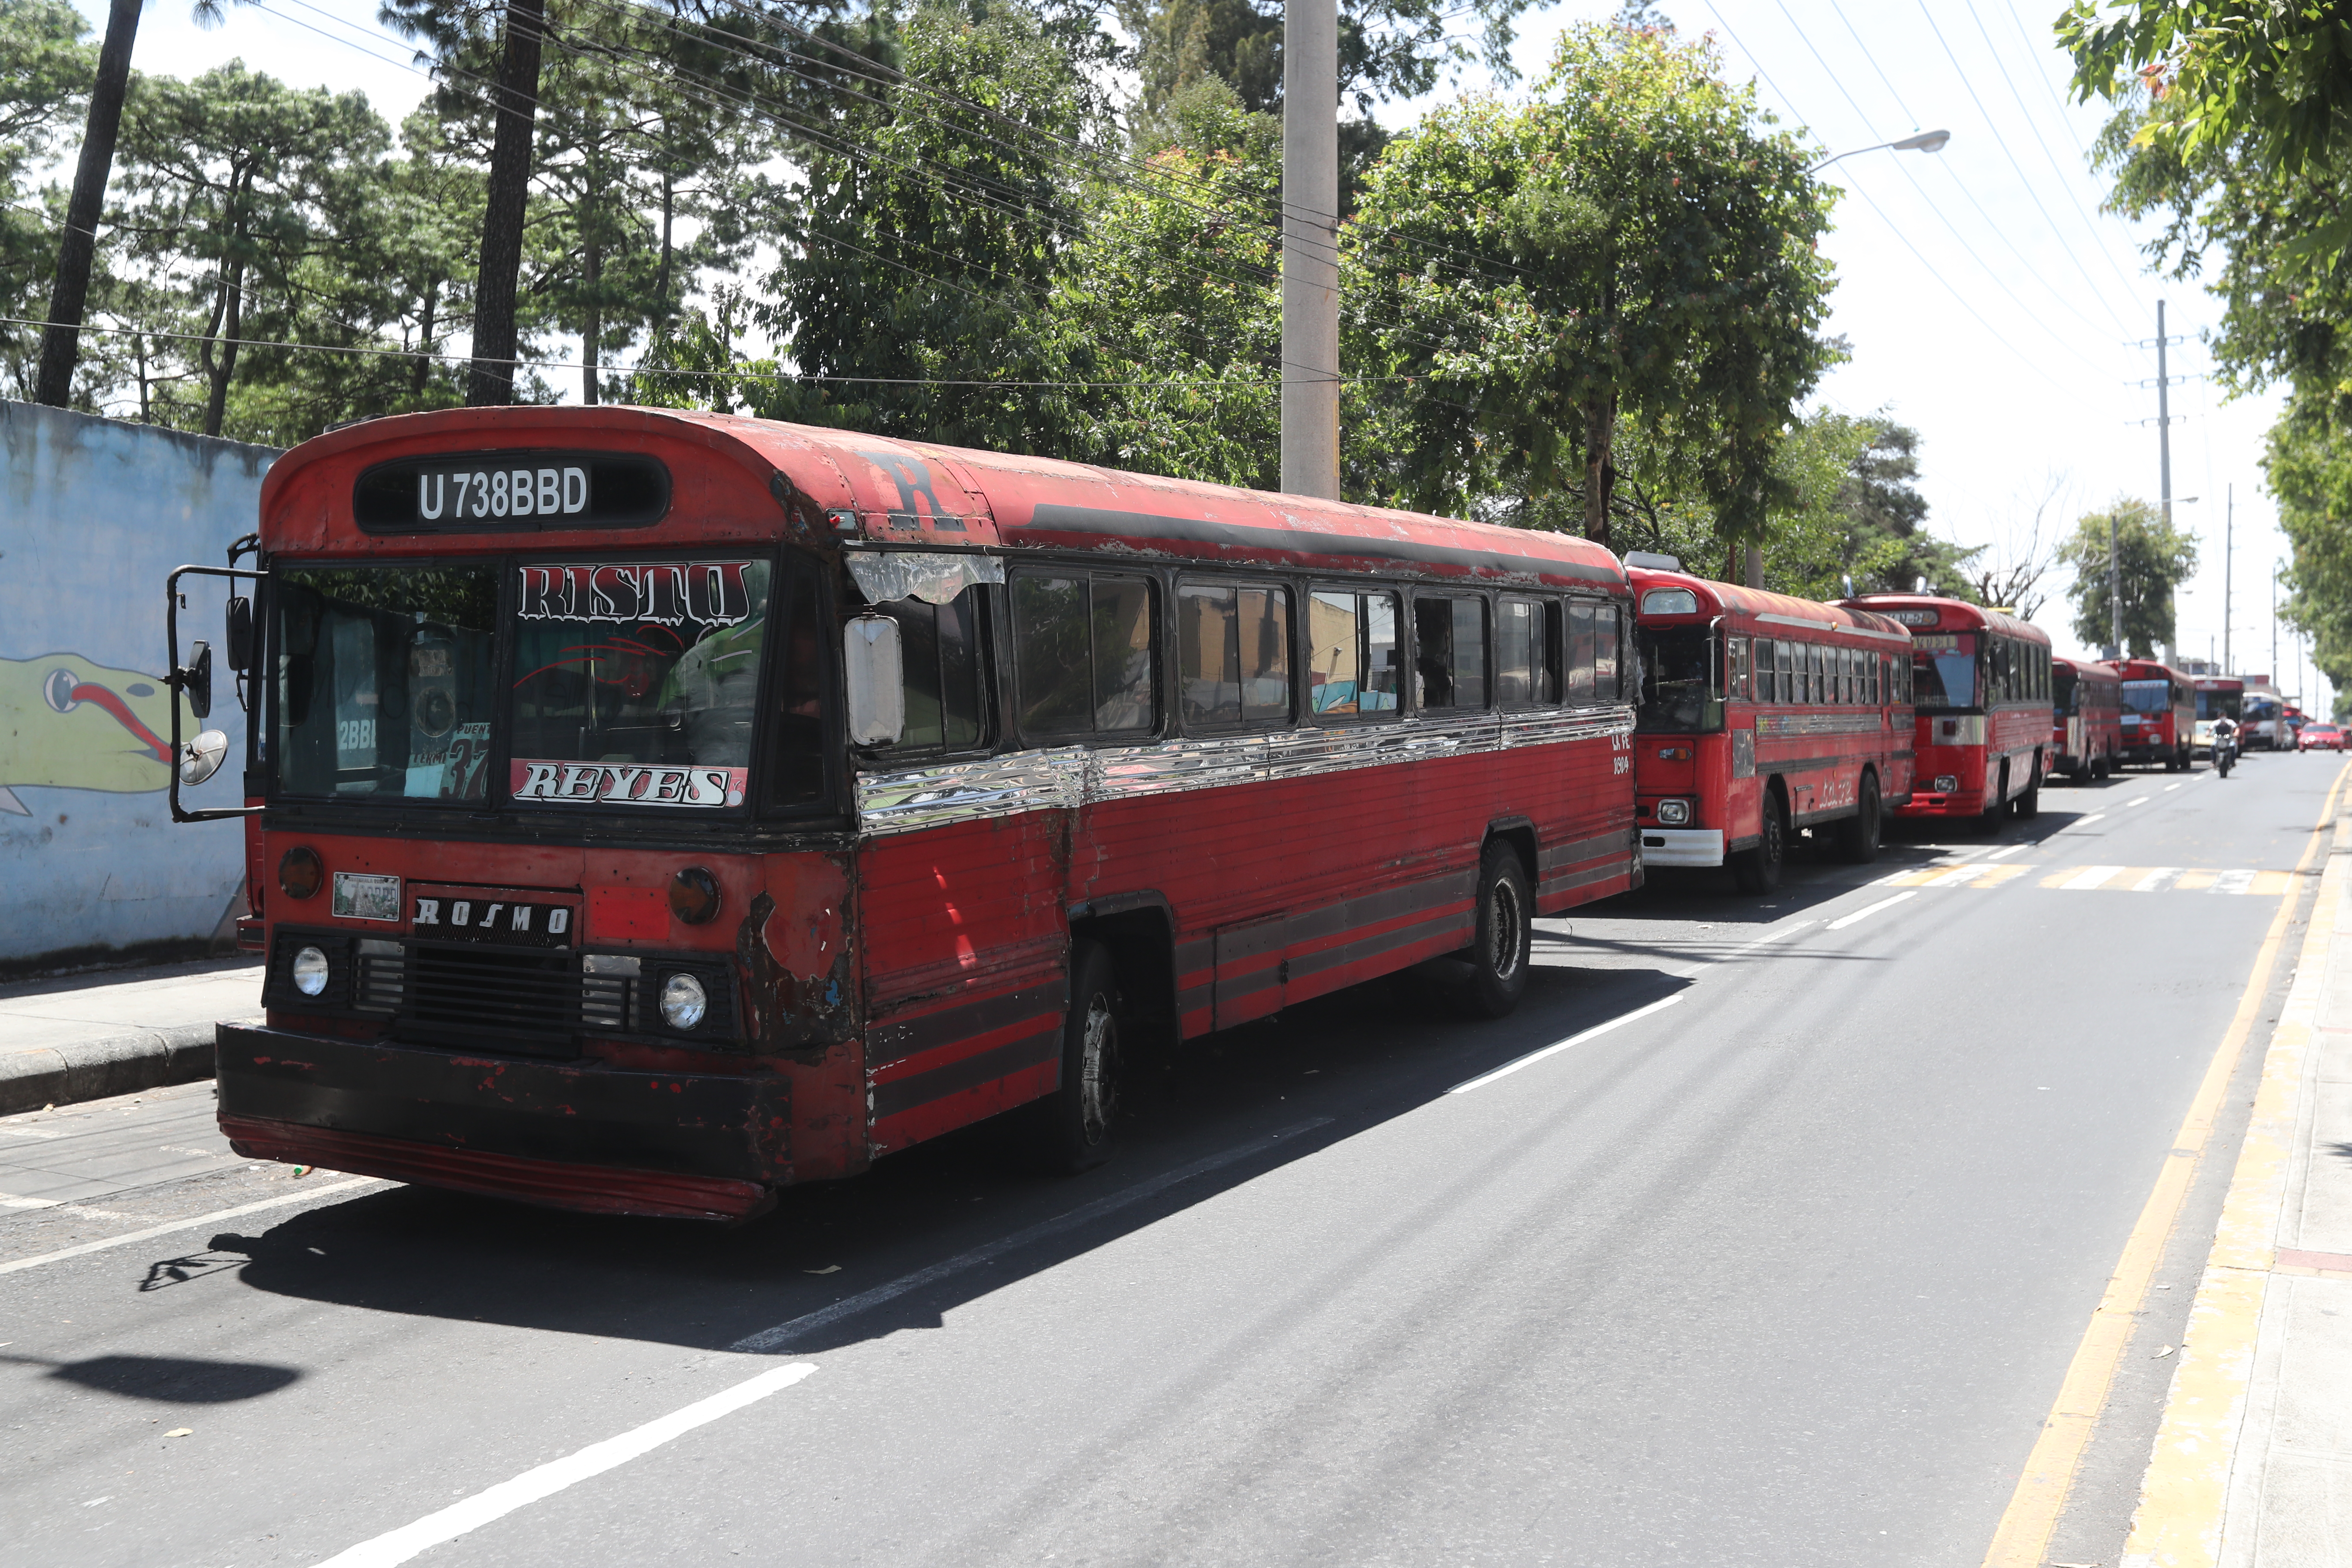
(493, 920)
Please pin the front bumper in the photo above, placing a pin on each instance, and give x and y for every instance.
(1957, 803)
(1682, 847)
(573, 1135)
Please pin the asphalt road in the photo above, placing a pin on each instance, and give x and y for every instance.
(1785, 1270)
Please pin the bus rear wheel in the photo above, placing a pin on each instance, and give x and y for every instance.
(1503, 945)
(1758, 870)
(2027, 803)
(1858, 835)
(1071, 1130)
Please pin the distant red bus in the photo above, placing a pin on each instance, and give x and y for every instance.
(1980, 684)
(662, 808)
(2087, 730)
(2160, 712)
(1762, 715)
(2217, 697)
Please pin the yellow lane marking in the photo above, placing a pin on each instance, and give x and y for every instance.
(2184, 1494)
(2024, 1535)
(1955, 877)
(2167, 880)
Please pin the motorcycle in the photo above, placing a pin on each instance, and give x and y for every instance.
(2225, 752)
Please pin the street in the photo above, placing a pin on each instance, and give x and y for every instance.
(1785, 1266)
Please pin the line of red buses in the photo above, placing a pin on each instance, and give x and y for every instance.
(648, 810)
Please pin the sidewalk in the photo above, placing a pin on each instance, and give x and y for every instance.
(2252, 1465)
(80, 1037)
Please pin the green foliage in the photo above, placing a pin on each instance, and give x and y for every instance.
(2309, 469)
(1388, 48)
(2152, 558)
(1632, 249)
(46, 67)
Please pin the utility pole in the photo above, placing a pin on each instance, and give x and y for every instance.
(1311, 248)
(2164, 456)
(2228, 526)
(2115, 594)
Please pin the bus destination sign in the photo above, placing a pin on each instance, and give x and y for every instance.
(624, 783)
(501, 491)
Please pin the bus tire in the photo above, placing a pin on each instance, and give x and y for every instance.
(2027, 803)
(1858, 835)
(1072, 1129)
(1758, 870)
(1995, 807)
(1503, 943)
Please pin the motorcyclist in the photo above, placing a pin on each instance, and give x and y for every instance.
(2225, 746)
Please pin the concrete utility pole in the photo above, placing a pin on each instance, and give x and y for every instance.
(2229, 528)
(1311, 248)
(2164, 466)
(2115, 594)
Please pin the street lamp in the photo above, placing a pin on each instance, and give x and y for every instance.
(1918, 142)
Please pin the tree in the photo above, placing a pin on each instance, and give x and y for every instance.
(77, 245)
(45, 70)
(2152, 558)
(1630, 254)
(2309, 470)
(234, 186)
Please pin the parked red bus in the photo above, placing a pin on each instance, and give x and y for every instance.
(1762, 715)
(2087, 736)
(662, 808)
(2160, 712)
(1981, 683)
(2217, 697)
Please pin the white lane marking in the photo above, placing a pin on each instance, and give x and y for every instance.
(484, 1507)
(2141, 801)
(2155, 879)
(2086, 821)
(2005, 854)
(776, 1338)
(1865, 912)
(2169, 788)
(2232, 882)
(198, 1223)
(1949, 878)
(11, 1201)
(2089, 877)
(1789, 929)
(1507, 1068)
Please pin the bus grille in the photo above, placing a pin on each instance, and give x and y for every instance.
(529, 1003)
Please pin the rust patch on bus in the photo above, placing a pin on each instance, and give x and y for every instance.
(795, 1011)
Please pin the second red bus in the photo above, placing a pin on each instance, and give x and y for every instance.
(2088, 719)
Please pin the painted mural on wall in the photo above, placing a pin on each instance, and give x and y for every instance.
(93, 514)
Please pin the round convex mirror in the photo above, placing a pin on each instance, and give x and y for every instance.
(201, 758)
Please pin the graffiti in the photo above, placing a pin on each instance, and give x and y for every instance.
(69, 723)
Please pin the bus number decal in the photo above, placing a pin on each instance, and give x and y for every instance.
(616, 783)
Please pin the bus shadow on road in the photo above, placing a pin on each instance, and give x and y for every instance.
(1228, 1108)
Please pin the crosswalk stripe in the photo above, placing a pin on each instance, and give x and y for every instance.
(2169, 879)
(2090, 877)
(2233, 881)
(2155, 879)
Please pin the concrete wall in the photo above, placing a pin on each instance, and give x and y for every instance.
(93, 514)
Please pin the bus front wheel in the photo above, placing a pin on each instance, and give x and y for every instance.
(1504, 942)
(1858, 835)
(1758, 870)
(1071, 1129)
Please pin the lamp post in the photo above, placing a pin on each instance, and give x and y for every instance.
(1918, 141)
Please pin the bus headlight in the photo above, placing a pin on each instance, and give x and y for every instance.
(682, 1001)
(1946, 782)
(309, 971)
(1672, 813)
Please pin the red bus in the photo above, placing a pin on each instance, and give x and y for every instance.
(2087, 733)
(2217, 697)
(2160, 712)
(1980, 682)
(1762, 715)
(661, 808)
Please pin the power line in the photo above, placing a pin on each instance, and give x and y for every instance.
(2055, 101)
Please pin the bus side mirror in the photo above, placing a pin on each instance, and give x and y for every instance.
(874, 675)
(201, 758)
(239, 639)
(195, 682)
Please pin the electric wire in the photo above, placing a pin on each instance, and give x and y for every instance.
(1940, 216)
(2056, 103)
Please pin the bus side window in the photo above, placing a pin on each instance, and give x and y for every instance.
(1738, 654)
(940, 653)
(1582, 638)
(1450, 651)
(1771, 661)
(1082, 651)
(1611, 630)
(1523, 643)
(1232, 654)
(796, 750)
(1351, 658)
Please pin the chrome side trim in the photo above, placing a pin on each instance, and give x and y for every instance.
(1065, 777)
(1776, 726)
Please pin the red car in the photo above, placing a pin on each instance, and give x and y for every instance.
(2318, 737)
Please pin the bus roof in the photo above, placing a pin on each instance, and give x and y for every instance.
(842, 487)
(2085, 668)
(2218, 683)
(1713, 599)
(1950, 615)
(2148, 670)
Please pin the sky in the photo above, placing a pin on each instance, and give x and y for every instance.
(1987, 300)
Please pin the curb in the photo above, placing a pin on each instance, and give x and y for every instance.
(2186, 1492)
(36, 1075)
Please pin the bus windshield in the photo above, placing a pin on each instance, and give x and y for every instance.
(1679, 691)
(630, 683)
(2147, 696)
(2219, 705)
(1944, 670)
